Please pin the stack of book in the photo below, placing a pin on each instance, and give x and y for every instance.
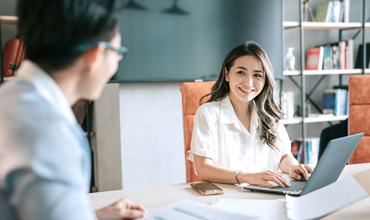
(337, 55)
(333, 11)
(306, 154)
(287, 103)
(335, 101)
(13, 55)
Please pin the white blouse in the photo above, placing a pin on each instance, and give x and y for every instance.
(219, 135)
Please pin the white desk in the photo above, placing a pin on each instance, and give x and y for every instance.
(154, 198)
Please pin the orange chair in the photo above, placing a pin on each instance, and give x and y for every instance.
(191, 93)
(359, 112)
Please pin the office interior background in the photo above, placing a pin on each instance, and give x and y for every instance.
(138, 129)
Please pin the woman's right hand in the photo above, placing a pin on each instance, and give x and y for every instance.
(267, 179)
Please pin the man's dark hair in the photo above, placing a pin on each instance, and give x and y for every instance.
(52, 29)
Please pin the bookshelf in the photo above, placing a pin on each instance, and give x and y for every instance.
(324, 25)
(325, 72)
(300, 74)
(8, 20)
(314, 119)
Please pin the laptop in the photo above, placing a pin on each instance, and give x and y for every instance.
(327, 170)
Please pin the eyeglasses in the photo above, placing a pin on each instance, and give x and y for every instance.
(121, 50)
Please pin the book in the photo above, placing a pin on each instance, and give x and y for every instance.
(342, 54)
(12, 49)
(349, 54)
(344, 98)
(347, 104)
(345, 11)
(341, 13)
(322, 11)
(328, 58)
(335, 101)
(315, 147)
(315, 58)
(333, 11)
(359, 59)
(336, 11)
(307, 154)
(329, 100)
(300, 152)
(287, 103)
(329, 15)
(336, 56)
(343, 101)
(295, 148)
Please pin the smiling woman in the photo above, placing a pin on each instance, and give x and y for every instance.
(246, 81)
(237, 137)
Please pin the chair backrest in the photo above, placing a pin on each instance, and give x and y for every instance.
(191, 93)
(79, 110)
(359, 112)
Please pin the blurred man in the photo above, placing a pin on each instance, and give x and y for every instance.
(73, 48)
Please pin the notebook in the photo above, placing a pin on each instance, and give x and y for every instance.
(327, 170)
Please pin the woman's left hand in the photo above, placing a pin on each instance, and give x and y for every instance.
(295, 171)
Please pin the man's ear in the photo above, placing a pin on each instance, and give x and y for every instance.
(93, 54)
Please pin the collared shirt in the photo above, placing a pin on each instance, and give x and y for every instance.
(45, 159)
(219, 135)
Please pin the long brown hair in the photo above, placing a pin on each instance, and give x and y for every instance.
(267, 110)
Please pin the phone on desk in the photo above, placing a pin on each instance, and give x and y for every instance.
(207, 188)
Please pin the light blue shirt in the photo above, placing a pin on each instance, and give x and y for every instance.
(45, 159)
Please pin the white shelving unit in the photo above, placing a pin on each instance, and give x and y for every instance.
(8, 20)
(325, 72)
(302, 73)
(318, 118)
(321, 26)
(324, 25)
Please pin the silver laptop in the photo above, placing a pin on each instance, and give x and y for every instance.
(327, 171)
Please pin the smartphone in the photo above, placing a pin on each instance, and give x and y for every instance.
(207, 188)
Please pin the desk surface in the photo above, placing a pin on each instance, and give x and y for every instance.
(154, 198)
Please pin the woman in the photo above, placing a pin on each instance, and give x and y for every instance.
(237, 137)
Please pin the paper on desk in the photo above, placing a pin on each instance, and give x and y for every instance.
(261, 208)
(329, 198)
(311, 206)
(190, 210)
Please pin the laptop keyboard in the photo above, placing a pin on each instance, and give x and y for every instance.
(295, 186)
